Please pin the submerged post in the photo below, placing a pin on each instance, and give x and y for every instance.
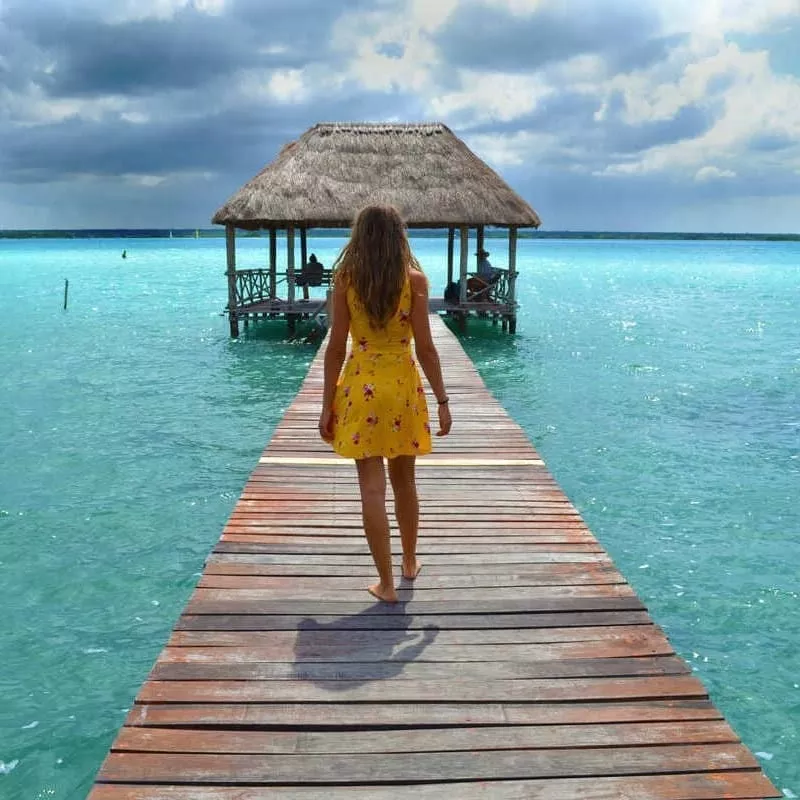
(66, 290)
(230, 251)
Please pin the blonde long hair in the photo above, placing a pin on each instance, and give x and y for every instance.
(376, 261)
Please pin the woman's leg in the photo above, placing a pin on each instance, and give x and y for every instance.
(372, 483)
(406, 509)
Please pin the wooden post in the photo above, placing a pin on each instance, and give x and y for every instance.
(290, 263)
(303, 248)
(479, 247)
(451, 235)
(463, 251)
(512, 278)
(304, 258)
(230, 251)
(66, 291)
(290, 317)
(273, 263)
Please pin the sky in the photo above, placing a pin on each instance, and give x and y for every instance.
(633, 115)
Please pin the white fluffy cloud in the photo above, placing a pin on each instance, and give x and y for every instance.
(712, 173)
(715, 18)
(753, 101)
(129, 10)
(390, 48)
(491, 96)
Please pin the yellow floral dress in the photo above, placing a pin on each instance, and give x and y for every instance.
(379, 408)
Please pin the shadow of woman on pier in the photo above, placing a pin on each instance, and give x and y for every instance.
(374, 644)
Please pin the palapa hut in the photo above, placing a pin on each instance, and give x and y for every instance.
(333, 170)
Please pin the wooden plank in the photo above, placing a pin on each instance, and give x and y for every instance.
(164, 740)
(221, 576)
(391, 622)
(321, 567)
(231, 605)
(744, 785)
(432, 462)
(504, 691)
(391, 670)
(422, 648)
(314, 716)
(320, 635)
(268, 769)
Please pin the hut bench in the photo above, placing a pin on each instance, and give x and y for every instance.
(332, 171)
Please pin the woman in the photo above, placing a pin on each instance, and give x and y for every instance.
(377, 409)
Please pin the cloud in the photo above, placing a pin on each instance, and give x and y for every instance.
(713, 173)
(237, 139)
(596, 110)
(752, 105)
(522, 39)
(82, 56)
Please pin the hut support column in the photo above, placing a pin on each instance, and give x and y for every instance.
(230, 251)
(451, 235)
(273, 263)
(479, 247)
(291, 317)
(463, 252)
(304, 258)
(512, 279)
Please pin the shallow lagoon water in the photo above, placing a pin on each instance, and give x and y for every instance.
(659, 380)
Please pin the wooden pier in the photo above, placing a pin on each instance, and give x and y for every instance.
(520, 664)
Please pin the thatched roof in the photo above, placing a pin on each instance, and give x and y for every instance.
(335, 169)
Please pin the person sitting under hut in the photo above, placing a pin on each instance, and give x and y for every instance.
(310, 275)
(486, 277)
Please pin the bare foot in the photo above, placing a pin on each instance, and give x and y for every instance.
(411, 568)
(385, 593)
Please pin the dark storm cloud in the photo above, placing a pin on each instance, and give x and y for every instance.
(581, 140)
(770, 142)
(238, 139)
(640, 55)
(689, 122)
(486, 38)
(84, 55)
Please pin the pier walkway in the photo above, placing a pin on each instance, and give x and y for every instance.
(519, 665)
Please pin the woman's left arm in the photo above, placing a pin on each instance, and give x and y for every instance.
(334, 357)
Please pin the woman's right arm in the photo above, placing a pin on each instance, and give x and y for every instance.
(334, 357)
(427, 354)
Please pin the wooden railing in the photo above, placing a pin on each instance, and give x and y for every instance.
(497, 292)
(253, 285)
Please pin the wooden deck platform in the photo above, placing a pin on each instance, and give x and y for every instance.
(519, 665)
(316, 307)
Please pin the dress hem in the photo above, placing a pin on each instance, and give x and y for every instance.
(355, 456)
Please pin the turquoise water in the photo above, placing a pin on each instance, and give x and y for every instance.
(660, 380)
